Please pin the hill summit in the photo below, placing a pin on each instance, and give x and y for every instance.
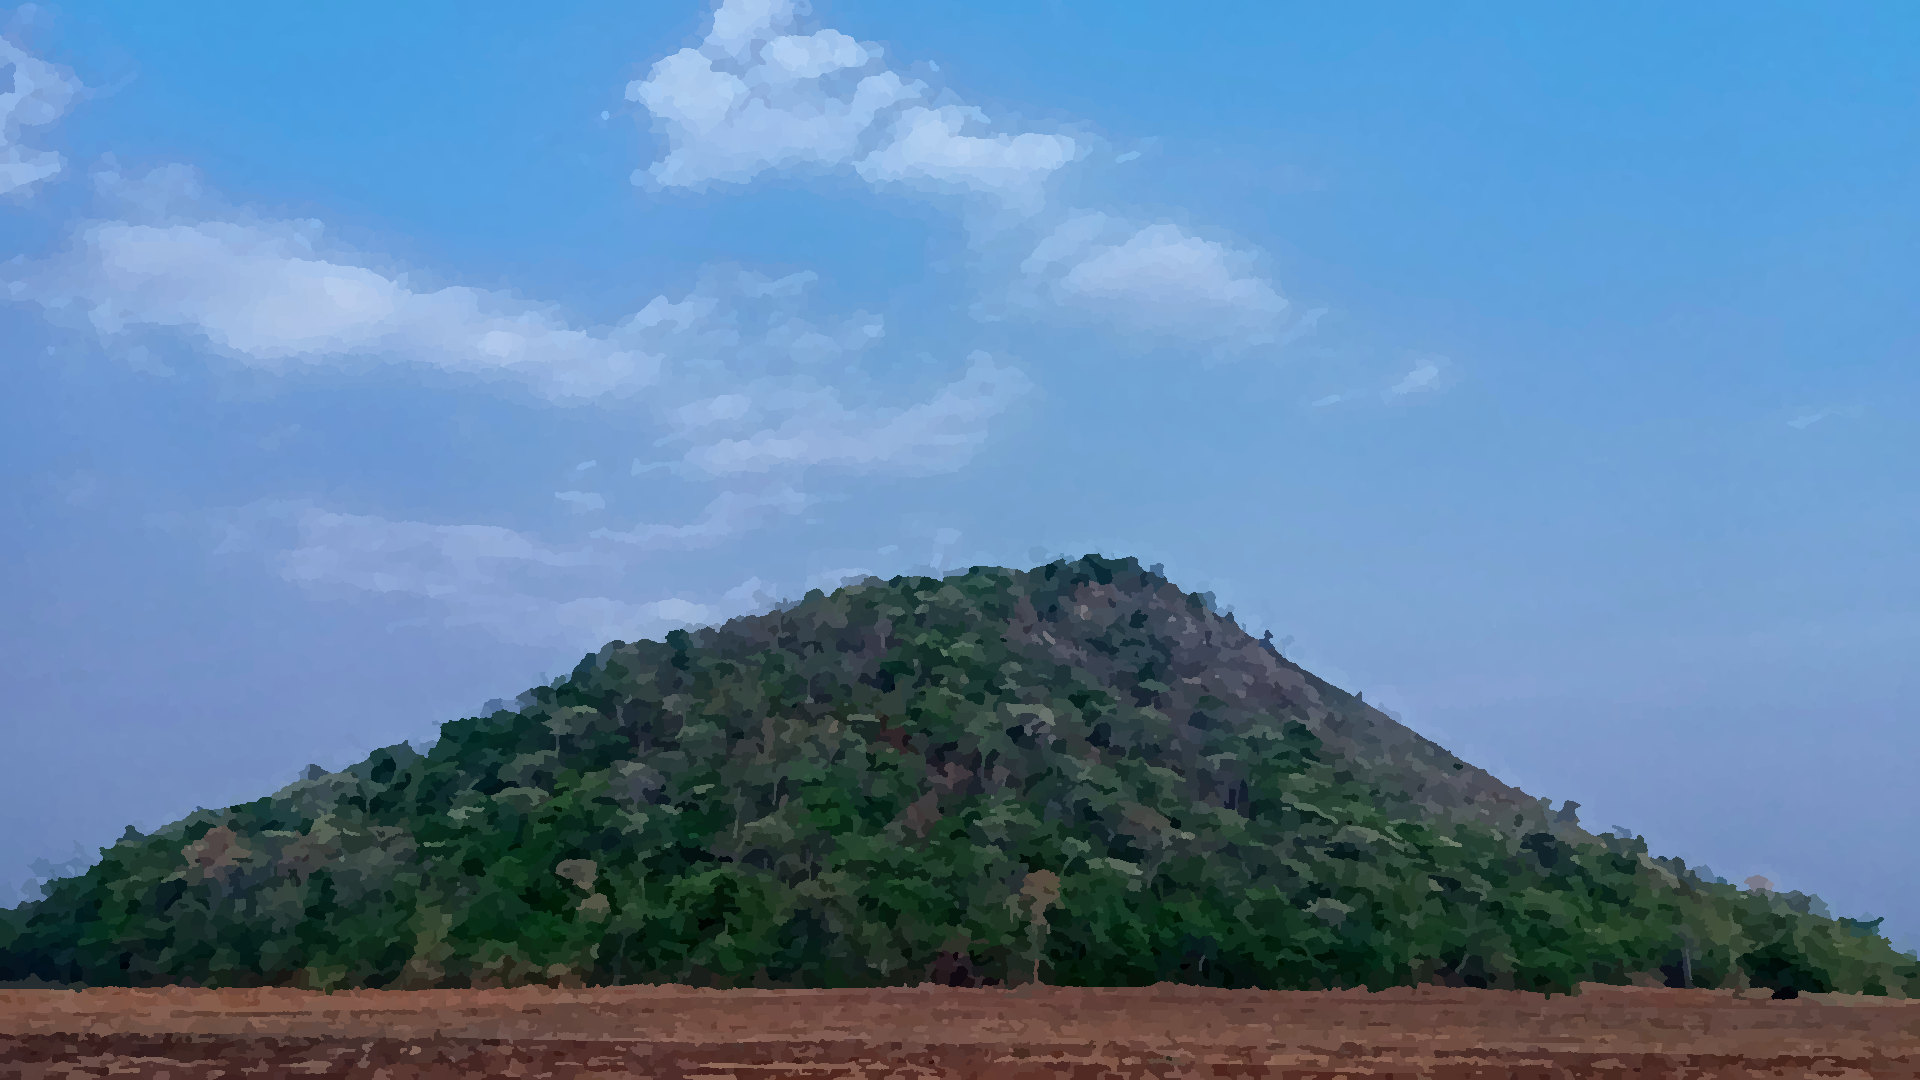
(1076, 773)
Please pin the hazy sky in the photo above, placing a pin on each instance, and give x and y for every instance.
(1549, 375)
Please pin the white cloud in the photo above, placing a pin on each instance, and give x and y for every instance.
(41, 92)
(937, 435)
(810, 56)
(730, 368)
(582, 502)
(1330, 399)
(739, 24)
(928, 150)
(1423, 378)
(277, 295)
(755, 97)
(720, 126)
(1157, 279)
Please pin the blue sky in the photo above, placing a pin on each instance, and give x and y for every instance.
(1547, 375)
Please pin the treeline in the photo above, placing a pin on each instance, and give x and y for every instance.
(953, 779)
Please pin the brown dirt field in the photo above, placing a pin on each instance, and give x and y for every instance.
(676, 1032)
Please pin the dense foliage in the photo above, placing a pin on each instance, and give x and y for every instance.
(1077, 766)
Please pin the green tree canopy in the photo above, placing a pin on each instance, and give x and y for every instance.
(1077, 773)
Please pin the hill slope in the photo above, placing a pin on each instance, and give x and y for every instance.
(1078, 770)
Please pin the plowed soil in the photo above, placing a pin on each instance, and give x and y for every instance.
(674, 1032)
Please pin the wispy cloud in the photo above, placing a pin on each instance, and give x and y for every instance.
(729, 514)
(584, 622)
(1807, 419)
(41, 93)
(279, 296)
(582, 502)
(1426, 374)
(276, 295)
(732, 372)
(314, 546)
(503, 582)
(934, 436)
(1423, 378)
(756, 95)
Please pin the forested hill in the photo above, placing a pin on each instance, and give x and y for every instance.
(1077, 770)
